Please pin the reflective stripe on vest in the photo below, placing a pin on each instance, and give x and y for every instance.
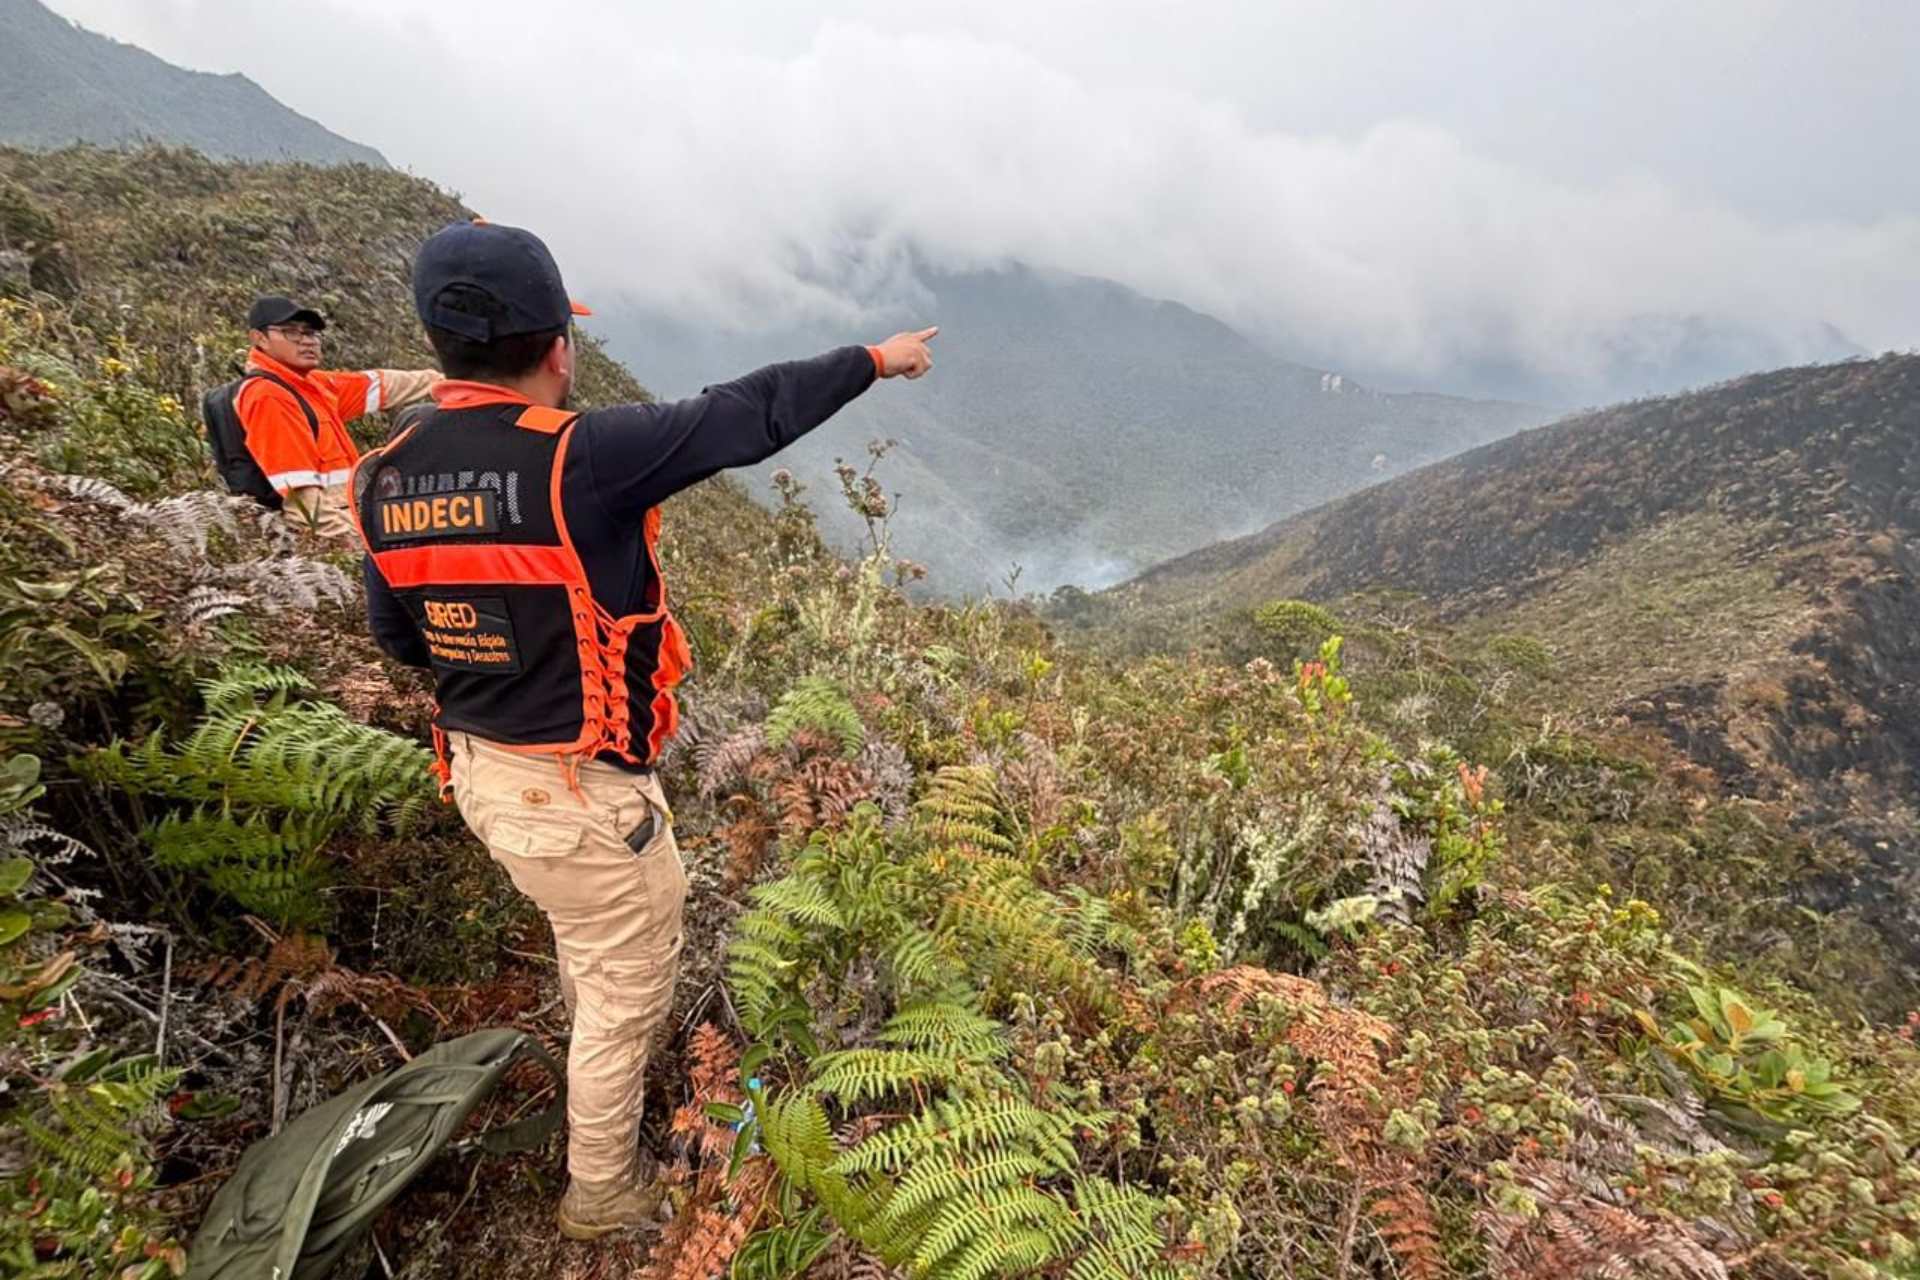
(445, 554)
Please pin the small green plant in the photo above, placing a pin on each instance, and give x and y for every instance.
(80, 1208)
(1321, 683)
(1740, 1055)
(112, 423)
(76, 1207)
(34, 972)
(1524, 654)
(1445, 799)
(69, 641)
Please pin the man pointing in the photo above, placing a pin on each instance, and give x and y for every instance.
(511, 549)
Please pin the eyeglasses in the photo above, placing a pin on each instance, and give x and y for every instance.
(295, 332)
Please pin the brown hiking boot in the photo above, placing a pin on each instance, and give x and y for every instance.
(590, 1210)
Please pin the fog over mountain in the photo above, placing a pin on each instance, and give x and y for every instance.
(1562, 204)
(1075, 428)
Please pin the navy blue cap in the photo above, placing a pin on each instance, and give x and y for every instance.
(507, 264)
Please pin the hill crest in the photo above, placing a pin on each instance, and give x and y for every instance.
(62, 84)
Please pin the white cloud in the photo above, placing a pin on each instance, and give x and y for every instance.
(714, 161)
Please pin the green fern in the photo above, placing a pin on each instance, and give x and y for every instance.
(921, 959)
(816, 703)
(1309, 943)
(1019, 934)
(1124, 1240)
(88, 1131)
(966, 1127)
(946, 1024)
(859, 1075)
(244, 683)
(974, 1175)
(804, 901)
(256, 749)
(963, 807)
(844, 894)
(270, 777)
(275, 871)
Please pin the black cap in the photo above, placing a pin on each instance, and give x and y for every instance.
(508, 265)
(274, 309)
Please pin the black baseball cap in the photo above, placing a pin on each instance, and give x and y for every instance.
(507, 264)
(274, 309)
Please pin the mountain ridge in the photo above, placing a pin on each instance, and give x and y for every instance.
(62, 84)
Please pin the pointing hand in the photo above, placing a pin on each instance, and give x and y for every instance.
(906, 354)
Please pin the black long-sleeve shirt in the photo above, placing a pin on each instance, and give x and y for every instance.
(625, 459)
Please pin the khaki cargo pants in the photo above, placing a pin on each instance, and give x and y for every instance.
(615, 914)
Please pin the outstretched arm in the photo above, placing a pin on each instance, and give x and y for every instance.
(638, 456)
(402, 387)
(370, 390)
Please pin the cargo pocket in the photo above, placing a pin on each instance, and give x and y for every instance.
(538, 854)
(533, 837)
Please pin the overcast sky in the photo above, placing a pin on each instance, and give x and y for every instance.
(1416, 188)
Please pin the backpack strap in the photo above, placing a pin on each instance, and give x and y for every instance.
(532, 1131)
(313, 421)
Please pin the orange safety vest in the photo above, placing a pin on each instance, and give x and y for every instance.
(463, 518)
(292, 454)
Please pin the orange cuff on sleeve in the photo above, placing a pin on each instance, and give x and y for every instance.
(879, 363)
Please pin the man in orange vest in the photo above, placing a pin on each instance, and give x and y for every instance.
(512, 550)
(295, 416)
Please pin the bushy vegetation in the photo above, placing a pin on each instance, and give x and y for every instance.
(1722, 580)
(1004, 958)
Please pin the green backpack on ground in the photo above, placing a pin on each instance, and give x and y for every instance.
(298, 1201)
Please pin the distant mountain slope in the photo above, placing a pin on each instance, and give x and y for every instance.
(1082, 429)
(61, 84)
(1792, 456)
(1735, 569)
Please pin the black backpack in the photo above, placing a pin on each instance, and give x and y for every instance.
(227, 437)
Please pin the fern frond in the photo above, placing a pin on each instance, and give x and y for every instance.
(243, 684)
(187, 520)
(858, 1075)
(803, 901)
(1123, 1228)
(290, 582)
(94, 1129)
(91, 489)
(271, 778)
(1003, 1233)
(206, 604)
(816, 703)
(723, 764)
(963, 806)
(48, 845)
(946, 1024)
(921, 959)
(966, 1127)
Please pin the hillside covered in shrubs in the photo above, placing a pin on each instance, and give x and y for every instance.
(1729, 573)
(1004, 958)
